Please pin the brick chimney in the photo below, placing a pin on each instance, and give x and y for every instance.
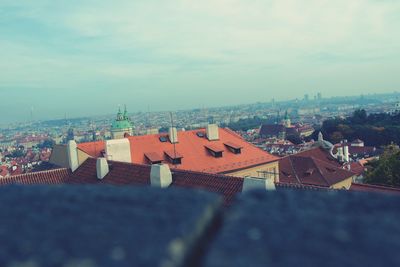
(102, 168)
(160, 175)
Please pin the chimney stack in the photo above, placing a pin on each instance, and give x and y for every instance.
(340, 153)
(72, 154)
(212, 132)
(173, 135)
(160, 175)
(251, 183)
(119, 150)
(346, 155)
(102, 168)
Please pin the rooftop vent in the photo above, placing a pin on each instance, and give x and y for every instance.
(309, 172)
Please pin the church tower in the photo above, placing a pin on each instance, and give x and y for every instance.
(286, 121)
(122, 125)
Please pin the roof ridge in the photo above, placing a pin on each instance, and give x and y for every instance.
(36, 173)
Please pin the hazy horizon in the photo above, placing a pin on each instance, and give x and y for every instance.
(87, 57)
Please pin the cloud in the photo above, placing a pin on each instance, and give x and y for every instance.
(208, 45)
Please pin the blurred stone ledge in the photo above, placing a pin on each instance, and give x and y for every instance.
(100, 225)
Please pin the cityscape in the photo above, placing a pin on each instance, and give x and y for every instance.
(199, 133)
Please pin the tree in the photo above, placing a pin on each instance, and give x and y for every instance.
(359, 116)
(386, 170)
(48, 143)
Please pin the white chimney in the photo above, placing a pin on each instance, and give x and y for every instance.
(212, 132)
(119, 150)
(340, 153)
(72, 154)
(251, 183)
(320, 137)
(173, 135)
(346, 154)
(102, 168)
(160, 175)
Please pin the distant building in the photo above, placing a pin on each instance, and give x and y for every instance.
(285, 128)
(122, 125)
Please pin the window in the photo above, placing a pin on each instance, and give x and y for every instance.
(153, 157)
(215, 150)
(201, 134)
(174, 157)
(234, 148)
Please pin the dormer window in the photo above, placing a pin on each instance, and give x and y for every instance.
(174, 157)
(153, 157)
(215, 150)
(234, 148)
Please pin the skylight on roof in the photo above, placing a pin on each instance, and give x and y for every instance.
(201, 134)
(163, 139)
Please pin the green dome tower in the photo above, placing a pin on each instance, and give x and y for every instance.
(121, 126)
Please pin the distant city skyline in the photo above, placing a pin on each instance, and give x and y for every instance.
(87, 57)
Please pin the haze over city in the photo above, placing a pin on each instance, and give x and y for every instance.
(87, 57)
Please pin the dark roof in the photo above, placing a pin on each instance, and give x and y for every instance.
(55, 176)
(374, 188)
(310, 171)
(321, 154)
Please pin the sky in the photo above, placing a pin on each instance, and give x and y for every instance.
(84, 57)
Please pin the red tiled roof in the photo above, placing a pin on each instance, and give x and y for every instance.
(193, 150)
(357, 168)
(56, 176)
(310, 171)
(374, 188)
(136, 174)
(154, 156)
(94, 149)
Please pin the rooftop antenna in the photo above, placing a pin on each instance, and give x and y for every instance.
(172, 126)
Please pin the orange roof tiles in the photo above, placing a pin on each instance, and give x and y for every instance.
(194, 151)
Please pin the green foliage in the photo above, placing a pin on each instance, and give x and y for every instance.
(246, 124)
(386, 170)
(48, 143)
(294, 138)
(374, 129)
